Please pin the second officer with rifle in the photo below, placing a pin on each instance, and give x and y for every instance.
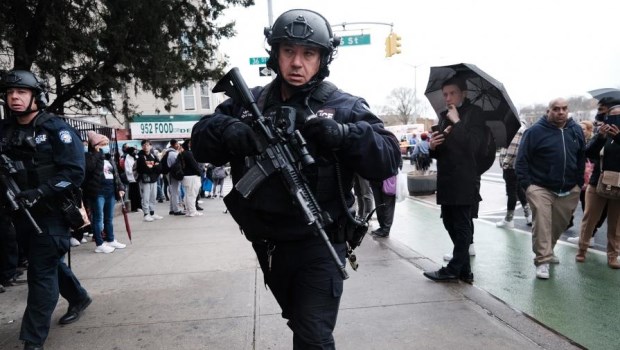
(287, 193)
(43, 157)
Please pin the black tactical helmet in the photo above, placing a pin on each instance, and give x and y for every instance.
(25, 79)
(304, 27)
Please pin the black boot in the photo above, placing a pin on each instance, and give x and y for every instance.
(30, 346)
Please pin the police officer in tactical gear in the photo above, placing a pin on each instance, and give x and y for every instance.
(344, 138)
(49, 158)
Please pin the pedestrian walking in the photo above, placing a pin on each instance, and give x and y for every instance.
(550, 167)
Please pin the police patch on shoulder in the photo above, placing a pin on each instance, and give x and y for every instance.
(65, 136)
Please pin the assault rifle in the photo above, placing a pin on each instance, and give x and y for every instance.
(285, 148)
(7, 168)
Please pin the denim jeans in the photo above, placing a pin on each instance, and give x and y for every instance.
(102, 208)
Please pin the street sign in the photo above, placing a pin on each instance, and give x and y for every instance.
(264, 72)
(352, 40)
(258, 60)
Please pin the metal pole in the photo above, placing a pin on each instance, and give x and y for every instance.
(270, 13)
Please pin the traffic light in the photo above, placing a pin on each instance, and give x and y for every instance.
(392, 45)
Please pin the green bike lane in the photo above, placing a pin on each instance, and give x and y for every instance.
(580, 301)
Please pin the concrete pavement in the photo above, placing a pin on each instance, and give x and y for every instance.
(194, 283)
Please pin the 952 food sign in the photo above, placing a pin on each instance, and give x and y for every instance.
(161, 130)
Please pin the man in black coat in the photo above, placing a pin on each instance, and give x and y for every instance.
(455, 146)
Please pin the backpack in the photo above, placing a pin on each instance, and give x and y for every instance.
(486, 154)
(165, 169)
(176, 170)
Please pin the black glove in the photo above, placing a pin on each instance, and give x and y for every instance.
(240, 139)
(325, 132)
(29, 197)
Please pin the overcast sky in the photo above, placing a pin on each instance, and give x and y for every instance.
(538, 49)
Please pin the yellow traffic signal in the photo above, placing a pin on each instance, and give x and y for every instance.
(392, 45)
(388, 46)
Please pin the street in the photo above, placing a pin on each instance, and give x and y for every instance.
(579, 300)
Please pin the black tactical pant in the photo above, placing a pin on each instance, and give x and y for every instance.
(48, 275)
(307, 285)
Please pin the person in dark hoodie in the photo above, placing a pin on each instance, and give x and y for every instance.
(550, 167)
(148, 171)
(102, 187)
(191, 180)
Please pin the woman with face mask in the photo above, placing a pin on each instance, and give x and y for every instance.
(102, 187)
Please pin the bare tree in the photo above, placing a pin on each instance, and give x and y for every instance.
(402, 104)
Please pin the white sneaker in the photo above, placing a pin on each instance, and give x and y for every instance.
(116, 244)
(104, 248)
(472, 252)
(194, 214)
(554, 260)
(148, 218)
(506, 224)
(575, 240)
(74, 242)
(157, 217)
(140, 211)
(84, 240)
(528, 220)
(542, 271)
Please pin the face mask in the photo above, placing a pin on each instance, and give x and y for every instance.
(105, 149)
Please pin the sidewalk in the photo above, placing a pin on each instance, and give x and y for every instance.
(194, 283)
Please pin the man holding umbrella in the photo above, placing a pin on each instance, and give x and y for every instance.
(455, 145)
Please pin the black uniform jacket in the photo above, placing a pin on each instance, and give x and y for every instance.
(368, 150)
(55, 164)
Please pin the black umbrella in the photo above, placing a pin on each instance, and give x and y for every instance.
(484, 91)
(599, 94)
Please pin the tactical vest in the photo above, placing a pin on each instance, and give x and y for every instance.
(34, 167)
(324, 181)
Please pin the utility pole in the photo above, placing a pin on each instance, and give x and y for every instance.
(269, 13)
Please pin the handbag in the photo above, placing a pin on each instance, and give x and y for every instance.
(389, 186)
(608, 185)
